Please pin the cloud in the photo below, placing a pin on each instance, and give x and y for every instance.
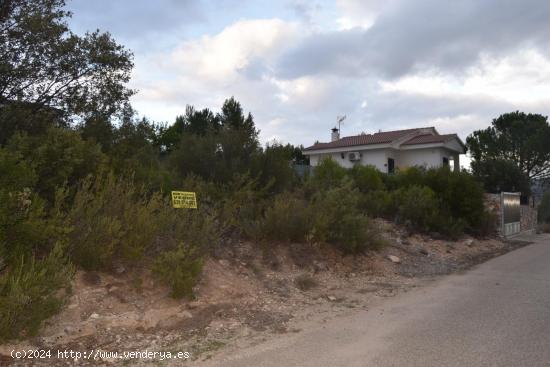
(413, 35)
(360, 14)
(241, 47)
(385, 64)
(516, 78)
(135, 21)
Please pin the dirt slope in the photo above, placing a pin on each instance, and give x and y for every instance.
(246, 293)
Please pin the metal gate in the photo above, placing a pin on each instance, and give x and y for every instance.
(511, 214)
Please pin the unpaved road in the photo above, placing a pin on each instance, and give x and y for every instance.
(497, 314)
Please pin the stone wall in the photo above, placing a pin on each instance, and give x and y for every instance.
(528, 221)
(493, 204)
(528, 216)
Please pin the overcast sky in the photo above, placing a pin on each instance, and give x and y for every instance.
(297, 64)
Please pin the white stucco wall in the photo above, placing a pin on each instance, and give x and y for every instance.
(376, 157)
(428, 157)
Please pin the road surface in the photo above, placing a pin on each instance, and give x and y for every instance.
(497, 314)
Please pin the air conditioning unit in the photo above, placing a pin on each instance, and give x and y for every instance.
(354, 156)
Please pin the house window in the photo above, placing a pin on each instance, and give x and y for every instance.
(391, 166)
(445, 161)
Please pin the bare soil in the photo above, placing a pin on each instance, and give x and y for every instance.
(247, 293)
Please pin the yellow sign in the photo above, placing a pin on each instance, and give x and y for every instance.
(183, 199)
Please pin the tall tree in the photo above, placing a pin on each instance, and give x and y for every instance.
(213, 147)
(501, 175)
(518, 137)
(45, 66)
(194, 122)
(238, 136)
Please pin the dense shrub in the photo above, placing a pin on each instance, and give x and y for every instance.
(111, 219)
(179, 268)
(460, 194)
(15, 172)
(327, 174)
(405, 177)
(337, 219)
(24, 225)
(242, 206)
(487, 225)
(416, 206)
(273, 169)
(366, 178)
(287, 219)
(378, 203)
(197, 228)
(60, 157)
(30, 293)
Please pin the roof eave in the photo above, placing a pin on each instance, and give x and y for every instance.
(352, 148)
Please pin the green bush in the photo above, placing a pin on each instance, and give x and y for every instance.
(112, 219)
(286, 220)
(192, 226)
(416, 206)
(378, 203)
(179, 268)
(366, 178)
(30, 293)
(60, 157)
(487, 225)
(327, 174)
(405, 177)
(15, 172)
(337, 219)
(242, 206)
(273, 169)
(26, 227)
(460, 194)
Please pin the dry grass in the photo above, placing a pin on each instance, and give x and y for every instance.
(305, 282)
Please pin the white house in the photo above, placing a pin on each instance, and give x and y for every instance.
(389, 150)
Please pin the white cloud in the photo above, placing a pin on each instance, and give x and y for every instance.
(221, 57)
(359, 13)
(309, 92)
(517, 78)
(301, 106)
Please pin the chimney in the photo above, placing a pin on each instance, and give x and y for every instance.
(335, 134)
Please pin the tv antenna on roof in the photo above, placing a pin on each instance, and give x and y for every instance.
(339, 121)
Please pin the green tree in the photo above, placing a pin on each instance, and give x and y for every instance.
(214, 147)
(45, 67)
(273, 167)
(238, 138)
(200, 123)
(500, 175)
(60, 157)
(518, 137)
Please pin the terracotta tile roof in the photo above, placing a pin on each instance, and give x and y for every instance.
(428, 139)
(364, 139)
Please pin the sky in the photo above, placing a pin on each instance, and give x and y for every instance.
(296, 65)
